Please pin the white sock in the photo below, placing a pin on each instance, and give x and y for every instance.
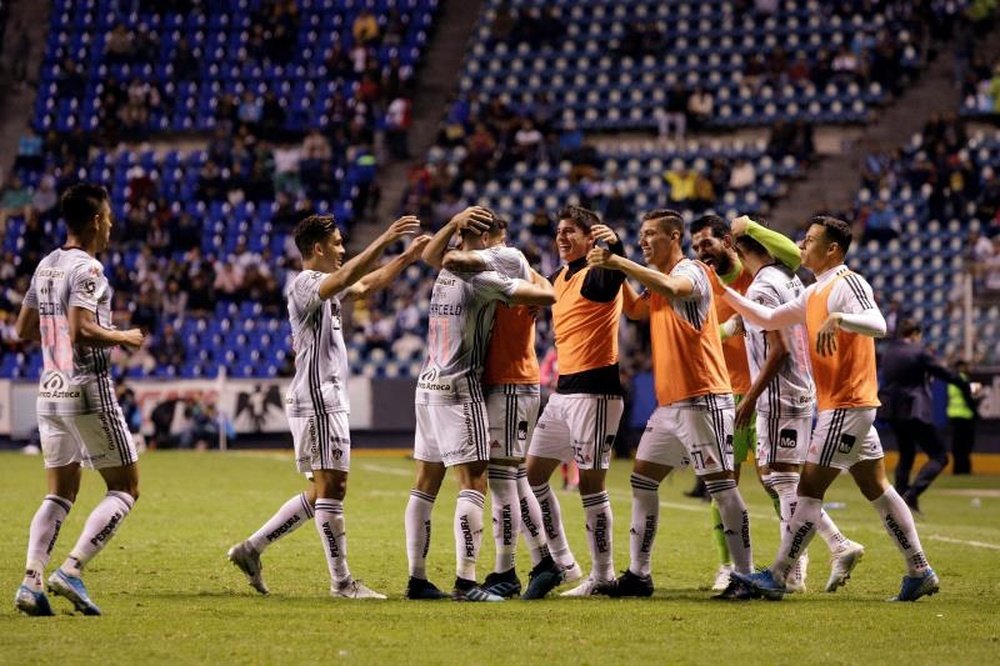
(101, 525)
(831, 534)
(506, 510)
(417, 521)
(898, 522)
(333, 536)
(645, 519)
(42, 537)
(786, 484)
(801, 530)
(735, 522)
(292, 515)
(531, 519)
(468, 532)
(555, 533)
(597, 510)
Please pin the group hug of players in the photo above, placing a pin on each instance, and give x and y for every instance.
(736, 339)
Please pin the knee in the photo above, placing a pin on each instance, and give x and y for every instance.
(591, 482)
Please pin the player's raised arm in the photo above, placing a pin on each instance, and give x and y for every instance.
(635, 305)
(475, 218)
(352, 271)
(536, 292)
(767, 318)
(777, 244)
(661, 283)
(382, 277)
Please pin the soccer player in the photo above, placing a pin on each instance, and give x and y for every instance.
(581, 418)
(68, 310)
(782, 392)
(452, 422)
(317, 402)
(712, 241)
(841, 320)
(693, 421)
(511, 380)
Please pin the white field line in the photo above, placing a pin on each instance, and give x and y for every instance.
(976, 544)
(382, 469)
(700, 507)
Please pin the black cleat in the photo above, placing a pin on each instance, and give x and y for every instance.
(628, 585)
(421, 589)
(505, 584)
(737, 590)
(545, 577)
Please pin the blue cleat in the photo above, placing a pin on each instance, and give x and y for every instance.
(33, 603)
(763, 582)
(72, 588)
(467, 590)
(915, 587)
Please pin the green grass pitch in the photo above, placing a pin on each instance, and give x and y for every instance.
(170, 595)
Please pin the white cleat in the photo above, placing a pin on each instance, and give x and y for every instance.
(572, 573)
(354, 589)
(588, 588)
(796, 581)
(722, 577)
(843, 564)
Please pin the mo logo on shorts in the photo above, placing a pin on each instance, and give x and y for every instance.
(846, 443)
(788, 438)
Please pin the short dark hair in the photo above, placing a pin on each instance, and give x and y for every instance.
(580, 216)
(717, 224)
(313, 229)
(908, 327)
(669, 219)
(751, 246)
(836, 230)
(81, 204)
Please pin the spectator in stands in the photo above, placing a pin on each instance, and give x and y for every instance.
(45, 200)
(528, 143)
(119, 48)
(882, 224)
(397, 126)
(168, 348)
(700, 108)
(174, 301)
(15, 201)
(743, 176)
(365, 28)
(29, 152)
(674, 114)
(185, 61)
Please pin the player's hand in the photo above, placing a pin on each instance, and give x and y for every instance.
(826, 339)
(416, 248)
(599, 257)
(132, 338)
(404, 226)
(744, 412)
(473, 218)
(603, 233)
(738, 227)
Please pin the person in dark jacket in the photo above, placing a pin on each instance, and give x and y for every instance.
(908, 406)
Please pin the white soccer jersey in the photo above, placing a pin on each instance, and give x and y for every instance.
(321, 369)
(75, 379)
(459, 324)
(507, 261)
(791, 392)
(693, 308)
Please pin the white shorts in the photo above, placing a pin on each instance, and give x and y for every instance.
(97, 441)
(844, 437)
(512, 418)
(782, 439)
(700, 436)
(581, 427)
(322, 441)
(452, 434)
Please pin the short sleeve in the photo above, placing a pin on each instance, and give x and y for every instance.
(691, 271)
(765, 294)
(304, 293)
(505, 260)
(494, 286)
(86, 285)
(853, 295)
(31, 298)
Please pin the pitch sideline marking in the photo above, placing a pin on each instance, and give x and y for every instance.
(977, 544)
(382, 469)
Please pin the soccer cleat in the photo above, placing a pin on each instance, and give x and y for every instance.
(354, 589)
(915, 587)
(421, 589)
(628, 585)
(505, 584)
(545, 577)
(736, 591)
(572, 573)
(762, 582)
(843, 564)
(722, 577)
(797, 578)
(72, 588)
(590, 587)
(248, 561)
(467, 590)
(32, 602)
